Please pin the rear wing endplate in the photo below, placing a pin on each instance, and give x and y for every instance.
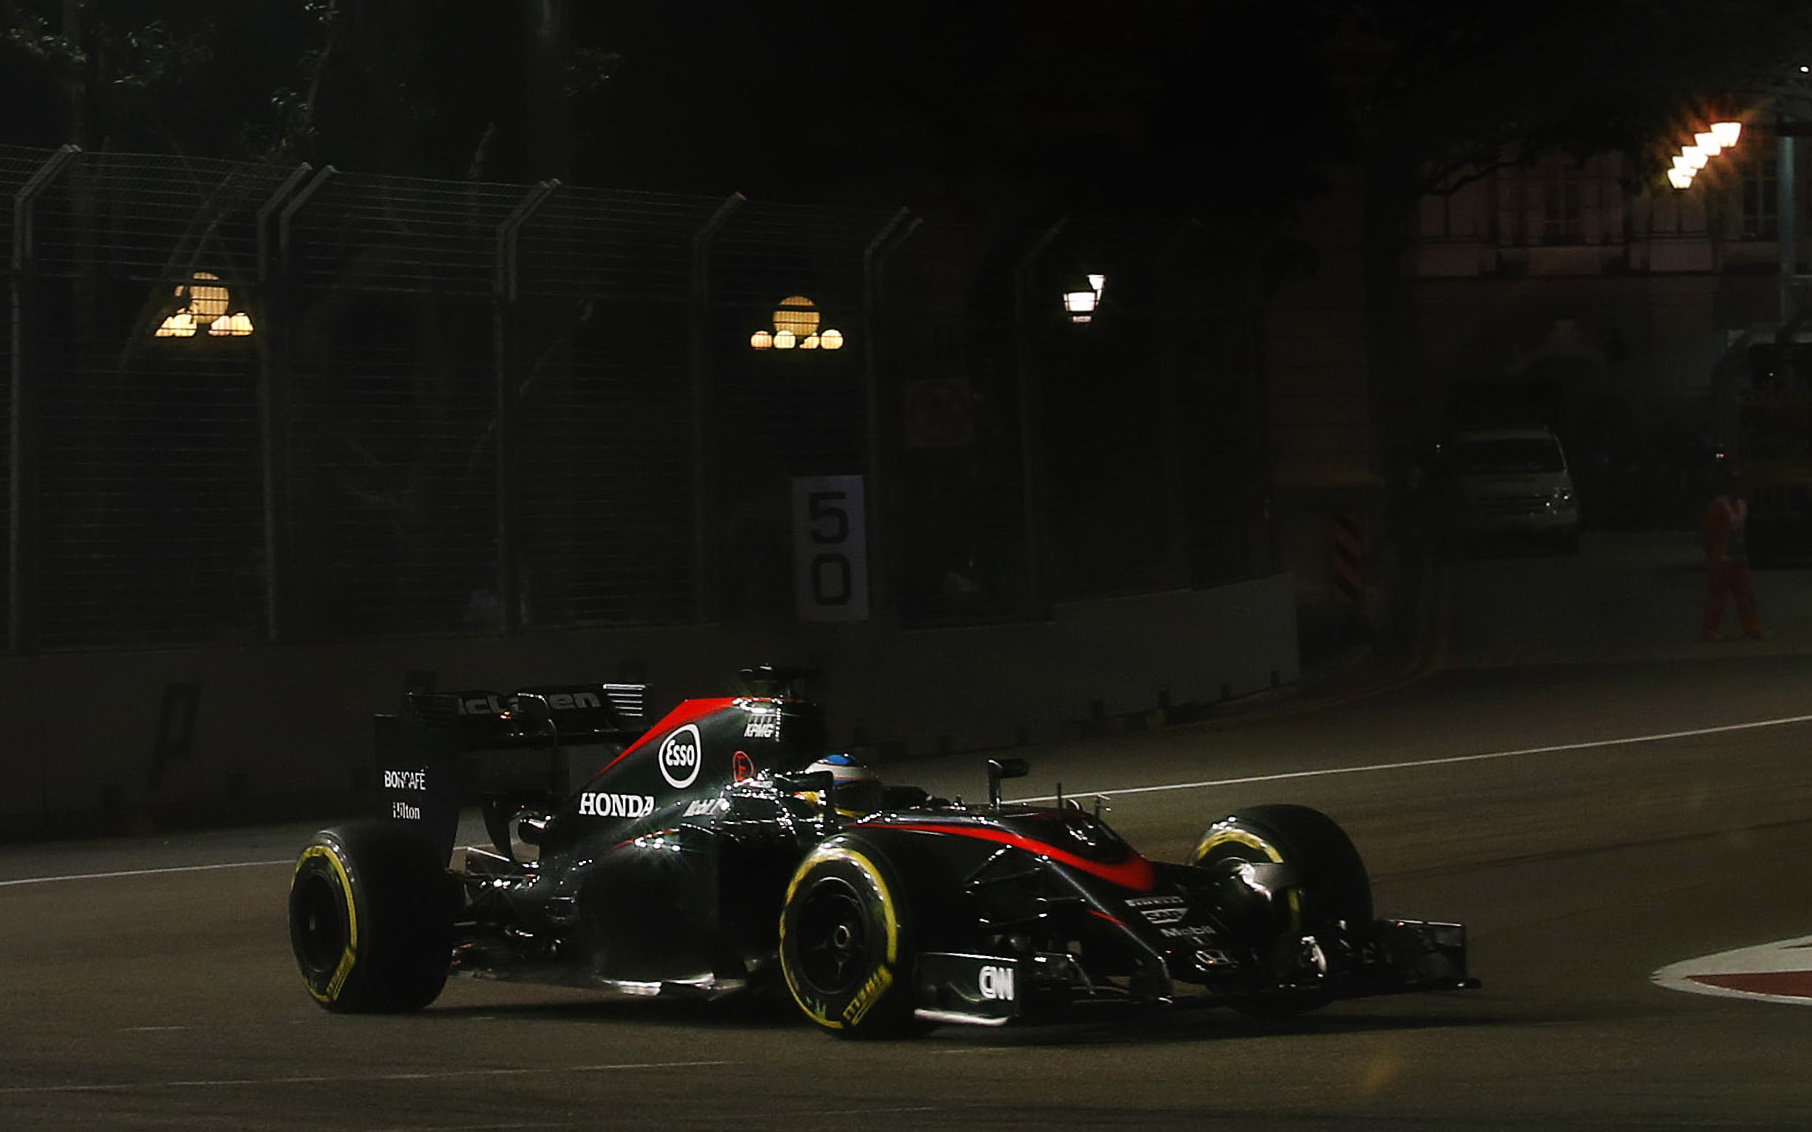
(425, 769)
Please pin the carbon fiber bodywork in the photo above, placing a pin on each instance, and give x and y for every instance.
(672, 866)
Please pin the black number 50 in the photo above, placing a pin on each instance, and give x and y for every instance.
(831, 580)
(831, 575)
(819, 509)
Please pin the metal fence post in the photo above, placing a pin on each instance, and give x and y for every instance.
(285, 603)
(1031, 430)
(1170, 405)
(273, 399)
(22, 529)
(898, 229)
(505, 336)
(702, 604)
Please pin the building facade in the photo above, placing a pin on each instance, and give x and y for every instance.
(1576, 292)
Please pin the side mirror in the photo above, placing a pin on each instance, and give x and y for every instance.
(1000, 769)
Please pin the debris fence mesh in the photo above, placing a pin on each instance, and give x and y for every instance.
(249, 403)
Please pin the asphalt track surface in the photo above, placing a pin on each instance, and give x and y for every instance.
(1591, 823)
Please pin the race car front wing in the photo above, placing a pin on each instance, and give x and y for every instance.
(1400, 956)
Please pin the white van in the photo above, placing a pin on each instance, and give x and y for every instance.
(1514, 482)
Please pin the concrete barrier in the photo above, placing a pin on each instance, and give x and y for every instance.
(244, 732)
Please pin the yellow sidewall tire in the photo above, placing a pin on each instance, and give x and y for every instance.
(371, 916)
(843, 943)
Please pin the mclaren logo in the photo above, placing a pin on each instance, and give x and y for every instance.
(492, 704)
(680, 757)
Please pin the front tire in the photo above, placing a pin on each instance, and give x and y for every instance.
(371, 919)
(1329, 901)
(843, 943)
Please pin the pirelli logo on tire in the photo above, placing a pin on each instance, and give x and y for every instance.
(871, 992)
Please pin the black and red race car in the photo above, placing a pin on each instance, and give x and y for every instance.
(724, 850)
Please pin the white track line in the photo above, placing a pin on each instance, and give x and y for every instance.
(353, 1079)
(1448, 760)
(145, 872)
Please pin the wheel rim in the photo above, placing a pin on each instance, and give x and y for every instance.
(1231, 852)
(320, 924)
(834, 938)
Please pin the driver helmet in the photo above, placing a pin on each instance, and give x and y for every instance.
(858, 787)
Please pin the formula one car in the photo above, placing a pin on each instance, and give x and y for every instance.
(724, 850)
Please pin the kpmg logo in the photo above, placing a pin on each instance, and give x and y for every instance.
(680, 757)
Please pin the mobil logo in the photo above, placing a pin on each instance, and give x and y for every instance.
(680, 756)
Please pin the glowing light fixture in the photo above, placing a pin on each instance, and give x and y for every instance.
(796, 327)
(207, 304)
(796, 313)
(179, 325)
(1081, 301)
(1706, 144)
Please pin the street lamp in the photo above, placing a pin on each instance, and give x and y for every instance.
(1081, 300)
(1706, 144)
(796, 328)
(206, 308)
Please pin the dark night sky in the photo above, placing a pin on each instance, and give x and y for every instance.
(1069, 104)
(1199, 106)
(941, 103)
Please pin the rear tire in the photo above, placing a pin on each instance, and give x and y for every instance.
(843, 943)
(371, 912)
(1331, 900)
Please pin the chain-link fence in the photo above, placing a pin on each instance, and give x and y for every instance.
(249, 403)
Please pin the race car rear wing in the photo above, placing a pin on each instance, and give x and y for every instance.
(430, 757)
(543, 716)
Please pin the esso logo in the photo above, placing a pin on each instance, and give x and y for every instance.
(680, 756)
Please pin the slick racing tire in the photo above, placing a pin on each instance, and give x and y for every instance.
(843, 943)
(1331, 899)
(371, 919)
